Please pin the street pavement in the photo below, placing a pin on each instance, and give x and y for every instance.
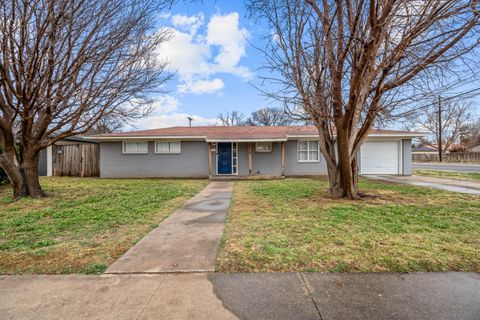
(460, 167)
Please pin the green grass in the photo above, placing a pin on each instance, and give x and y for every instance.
(466, 176)
(85, 223)
(292, 225)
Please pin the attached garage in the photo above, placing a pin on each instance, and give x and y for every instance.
(380, 157)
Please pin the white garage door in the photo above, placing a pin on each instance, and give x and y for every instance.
(380, 157)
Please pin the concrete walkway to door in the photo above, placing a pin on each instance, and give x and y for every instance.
(187, 241)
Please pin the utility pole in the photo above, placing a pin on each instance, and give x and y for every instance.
(440, 128)
(189, 121)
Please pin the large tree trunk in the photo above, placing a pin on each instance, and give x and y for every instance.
(343, 180)
(22, 175)
(343, 187)
(336, 190)
(10, 165)
(29, 172)
(343, 176)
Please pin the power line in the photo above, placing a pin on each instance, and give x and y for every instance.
(429, 105)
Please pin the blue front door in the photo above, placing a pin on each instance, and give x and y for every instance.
(224, 156)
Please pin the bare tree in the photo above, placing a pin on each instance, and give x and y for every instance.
(106, 125)
(471, 137)
(270, 117)
(64, 66)
(346, 62)
(447, 123)
(232, 118)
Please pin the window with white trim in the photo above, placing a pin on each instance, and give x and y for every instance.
(135, 147)
(263, 146)
(307, 150)
(167, 147)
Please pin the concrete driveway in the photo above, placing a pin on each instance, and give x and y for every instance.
(258, 296)
(460, 167)
(469, 187)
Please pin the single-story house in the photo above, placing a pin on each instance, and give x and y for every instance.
(243, 151)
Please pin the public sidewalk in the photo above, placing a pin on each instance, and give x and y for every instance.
(256, 296)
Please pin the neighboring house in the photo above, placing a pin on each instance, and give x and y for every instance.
(72, 156)
(424, 150)
(216, 151)
(475, 148)
(456, 147)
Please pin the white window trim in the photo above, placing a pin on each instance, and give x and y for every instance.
(264, 151)
(308, 150)
(169, 152)
(125, 152)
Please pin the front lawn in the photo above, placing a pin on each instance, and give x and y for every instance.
(466, 176)
(292, 225)
(85, 224)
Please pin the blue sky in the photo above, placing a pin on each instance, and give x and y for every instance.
(212, 52)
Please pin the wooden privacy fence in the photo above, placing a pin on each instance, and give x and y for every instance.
(448, 157)
(77, 160)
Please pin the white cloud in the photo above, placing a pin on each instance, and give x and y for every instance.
(201, 86)
(164, 104)
(172, 120)
(225, 32)
(165, 113)
(164, 15)
(185, 56)
(191, 24)
(190, 51)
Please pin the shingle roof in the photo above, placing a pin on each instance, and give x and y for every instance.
(426, 148)
(235, 132)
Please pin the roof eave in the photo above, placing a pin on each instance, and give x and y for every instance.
(399, 135)
(372, 135)
(261, 139)
(120, 138)
(215, 140)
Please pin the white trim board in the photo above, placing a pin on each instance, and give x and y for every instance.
(49, 161)
(247, 140)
